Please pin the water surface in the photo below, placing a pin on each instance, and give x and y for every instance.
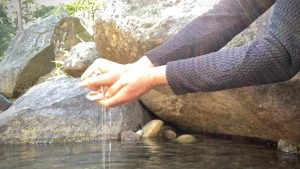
(154, 153)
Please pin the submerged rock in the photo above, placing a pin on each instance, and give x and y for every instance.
(4, 103)
(152, 128)
(58, 111)
(27, 58)
(80, 58)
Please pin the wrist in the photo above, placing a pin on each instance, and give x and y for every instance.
(158, 75)
(143, 62)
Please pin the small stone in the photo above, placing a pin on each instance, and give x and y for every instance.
(152, 128)
(139, 132)
(129, 136)
(186, 139)
(164, 128)
(286, 147)
(169, 134)
(4, 103)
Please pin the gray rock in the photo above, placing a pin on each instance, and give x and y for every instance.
(28, 57)
(80, 58)
(4, 103)
(58, 111)
(127, 29)
(130, 136)
(68, 32)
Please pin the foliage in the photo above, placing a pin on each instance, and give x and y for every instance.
(83, 5)
(7, 30)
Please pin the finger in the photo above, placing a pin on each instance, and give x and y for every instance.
(100, 80)
(118, 99)
(114, 88)
(91, 69)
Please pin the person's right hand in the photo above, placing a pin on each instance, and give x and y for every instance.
(111, 72)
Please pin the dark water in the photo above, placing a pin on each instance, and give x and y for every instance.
(157, 154)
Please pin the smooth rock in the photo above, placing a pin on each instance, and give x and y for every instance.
(152, 128)
(4, 103)
(69, 32)
(58, 111)
(286, 147)
(126, 29)
(169, 134)
(130, 136)
(186, 138)
(27, 58)
(80, 58)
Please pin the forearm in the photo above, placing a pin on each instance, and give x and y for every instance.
(262, 62)
(210, 31)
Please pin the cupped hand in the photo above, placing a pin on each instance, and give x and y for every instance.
(133, 84)
(111, 72)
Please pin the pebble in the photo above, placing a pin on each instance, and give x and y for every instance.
(152, 128)
(169, 134)
(286, 147)
(186, 138)
(129, 136)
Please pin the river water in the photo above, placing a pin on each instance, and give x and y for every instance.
(209, 153)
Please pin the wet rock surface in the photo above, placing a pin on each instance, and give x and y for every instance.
(58, 111)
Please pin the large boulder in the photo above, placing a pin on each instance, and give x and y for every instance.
(80, 57)
(68, 32)
(127, 29)
(28, 57)
(268, 112)
(58, 111)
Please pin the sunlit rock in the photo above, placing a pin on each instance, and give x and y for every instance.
(28, 57)
(69, 32)
(58, 111)
(127, 29)
(186, 138)
(80, 58)
(152, 128)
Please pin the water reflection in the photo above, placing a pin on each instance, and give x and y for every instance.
(150, 153)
